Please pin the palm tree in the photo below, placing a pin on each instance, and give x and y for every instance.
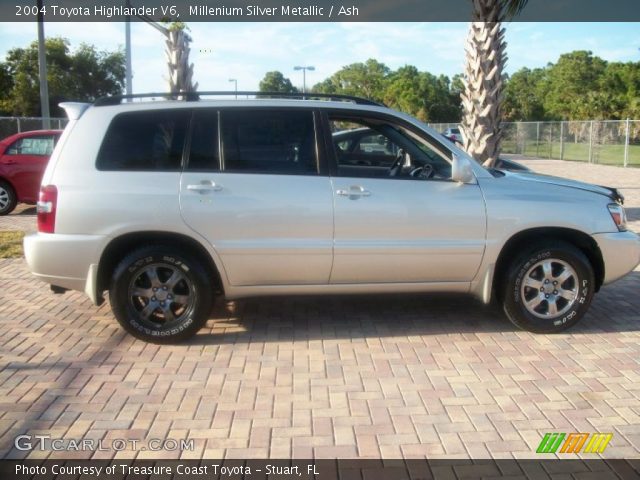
(485, 60)
(180, 70)
(177, 51)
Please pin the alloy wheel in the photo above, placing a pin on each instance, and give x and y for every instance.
(549, 288)
(161, 295)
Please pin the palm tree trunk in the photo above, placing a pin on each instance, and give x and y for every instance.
(482, 97)
(180, 70)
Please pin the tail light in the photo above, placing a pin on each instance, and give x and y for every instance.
(47, 203)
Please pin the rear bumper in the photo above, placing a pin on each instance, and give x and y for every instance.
(620, 252)
(69, 261)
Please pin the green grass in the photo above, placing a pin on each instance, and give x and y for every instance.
(11, 244)
(602, 154)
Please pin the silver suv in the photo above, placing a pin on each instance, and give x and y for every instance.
(168, 204)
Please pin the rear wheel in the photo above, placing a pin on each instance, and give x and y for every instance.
(8, 198)
(160, 296)
(549, 288)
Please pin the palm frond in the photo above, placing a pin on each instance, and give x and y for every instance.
(511, 8)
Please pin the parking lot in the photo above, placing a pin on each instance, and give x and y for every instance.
(408, 376)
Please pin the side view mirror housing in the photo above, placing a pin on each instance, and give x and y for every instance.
(461, 170)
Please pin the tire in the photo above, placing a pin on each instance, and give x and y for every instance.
(530, 298)
(8, 198)
(178, 307)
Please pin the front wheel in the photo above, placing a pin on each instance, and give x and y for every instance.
(160, 296)
(549, 288)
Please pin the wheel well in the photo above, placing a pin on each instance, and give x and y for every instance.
(6, 180)
(520, 240)
(121, 246)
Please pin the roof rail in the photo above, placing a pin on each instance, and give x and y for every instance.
(195, 96)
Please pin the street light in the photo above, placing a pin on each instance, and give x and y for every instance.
(235, 81)
(304, 69)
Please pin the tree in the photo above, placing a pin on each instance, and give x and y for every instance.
(177, 51)
(623, 79)
(485, 60)
(573, 87)
(368, 80)
(523, 96)
(83, 75)
(275, 81)
(421, 94)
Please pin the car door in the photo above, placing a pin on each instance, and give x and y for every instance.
(403, 228)
(255, 188)
(27, 159)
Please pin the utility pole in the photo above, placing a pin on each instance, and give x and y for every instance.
(127, 51)
(42, 70)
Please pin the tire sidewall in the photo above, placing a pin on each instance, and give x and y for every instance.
(127, 316)
(515, 308)
(12, 198)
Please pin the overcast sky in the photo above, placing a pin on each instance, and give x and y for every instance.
(247, 50)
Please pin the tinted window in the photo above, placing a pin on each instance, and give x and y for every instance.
(357, 144)
(32, 146)
(375, 148)
(151, 140)
(261, 141)
(203, 154)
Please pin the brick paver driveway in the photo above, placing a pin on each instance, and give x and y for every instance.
(390, 376)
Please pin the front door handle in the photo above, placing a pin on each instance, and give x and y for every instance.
(204, 187)
(354, 192)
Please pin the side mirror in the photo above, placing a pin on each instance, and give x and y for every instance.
(461, 170)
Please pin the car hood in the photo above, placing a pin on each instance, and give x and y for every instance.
(612, 193)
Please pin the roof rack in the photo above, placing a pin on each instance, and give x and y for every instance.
(195, 96)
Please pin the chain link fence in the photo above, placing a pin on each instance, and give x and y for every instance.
(11, 125)
(607, 142)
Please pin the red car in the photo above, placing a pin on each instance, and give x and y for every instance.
(23, 158)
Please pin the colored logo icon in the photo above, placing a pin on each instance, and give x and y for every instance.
(574, 443)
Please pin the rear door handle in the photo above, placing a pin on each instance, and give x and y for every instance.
(204, 187)
(354, 192)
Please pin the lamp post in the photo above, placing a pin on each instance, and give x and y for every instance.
(235, 81)
(304, 69)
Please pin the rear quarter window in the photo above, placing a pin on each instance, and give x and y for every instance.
(144, 141)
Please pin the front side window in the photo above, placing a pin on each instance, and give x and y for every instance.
(376, 148)
(144, 141)
(269, 141)
(32, 146)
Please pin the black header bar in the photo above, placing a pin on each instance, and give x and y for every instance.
(309, 11)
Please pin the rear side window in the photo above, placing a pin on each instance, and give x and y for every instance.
(268, 141)
(143, 141)
(32, 146)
